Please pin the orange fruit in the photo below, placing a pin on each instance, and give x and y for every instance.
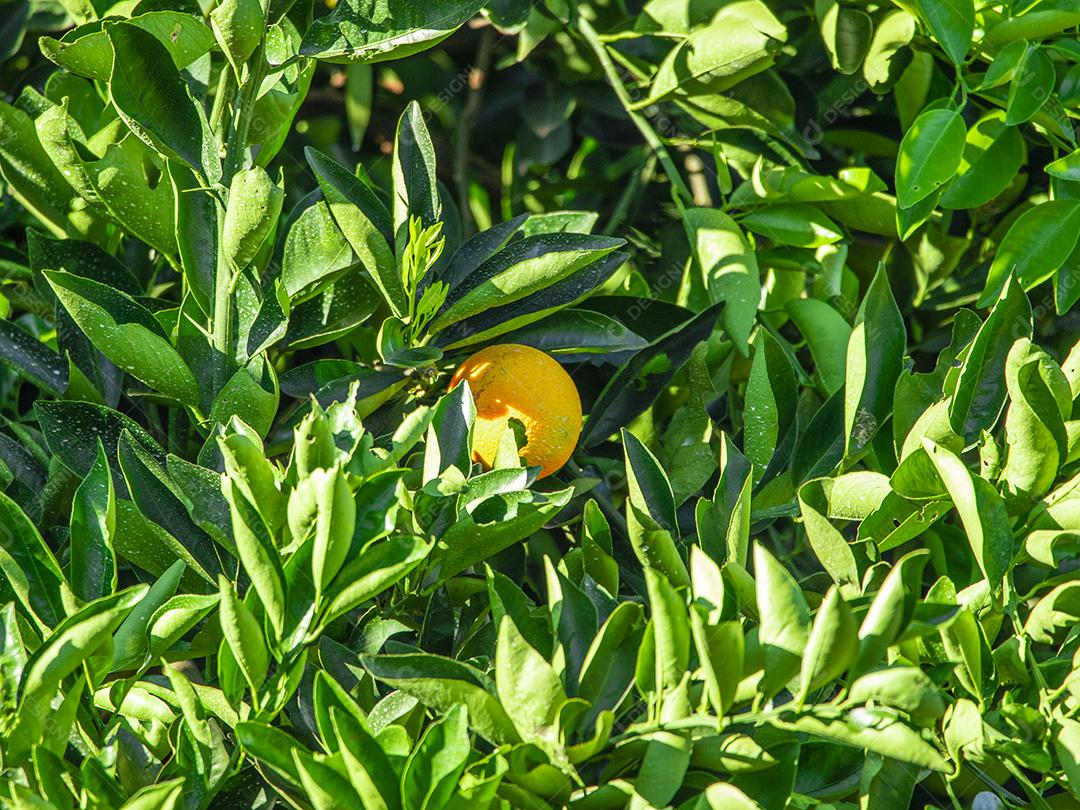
(514, 382)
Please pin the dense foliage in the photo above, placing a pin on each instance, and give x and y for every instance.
(812, 267)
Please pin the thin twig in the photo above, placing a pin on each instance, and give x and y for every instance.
(640, 179)
(644, 127)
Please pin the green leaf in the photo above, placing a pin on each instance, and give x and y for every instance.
(952, 22)
(1031, 86)
(887, 58)
(116, 172)
(796, 224)
(244, 636)
(575, 618)
(1035, 432)
(993, 154)
(83, 259)
(503, 318)
(363, 31)
(1006, 61)
(72, 431)
(251, 395)
(829, 545)
(200, 488)
(872, 730)
(271, 746)
(450, 433)
(30, 571)
(251, 215)
(316, 253)
(258, 553)
(493, 525)
(335, 519)
(248, 467)
(367, 575)
(1065, 168)
(723, 523)
(827, 334)
(178, 615)
(13, 657)
(529, 688)
(962, 640)
(525, 267)
(359, 92)
(821, 446)
(719, 56)
(325, 786)
(578, 334)
(32, 177)
(720, 649)
(71, 643)
(831, 646)
(434, 767)
(161, 796)
(846, 32)
(640, 380)
(369, 768)
(162, 114)
(874, 359)
(1067, 747)
(125, 332)
(158, 499)
(728, 267)
(86, 51)
(930, 155)
(239, 26)
(365, 222)
(980, 387)
(890, 611)
(671, 630)
(121, 179)
(416, 192)
(608, 670)
(650, 513)
(332, 313)
(785, 620)
(444, 683)
(724, 796)
(688, 443)
(1059, 608)
(130, 640)
(770, 401)
(663, 768)
(32, 359)
(597, 560)
(982, 512)
(1037, 243)
(478, 249)
(93, 520)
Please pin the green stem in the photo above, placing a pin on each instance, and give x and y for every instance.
(248, 91)
(221, 333)
(235, 155)
(627, 199)
(644, 127)
(217, 112)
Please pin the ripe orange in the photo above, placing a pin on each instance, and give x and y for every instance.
(511, 381)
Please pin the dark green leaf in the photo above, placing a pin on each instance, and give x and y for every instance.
(162, 113)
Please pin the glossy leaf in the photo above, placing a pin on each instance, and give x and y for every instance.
(930, 155)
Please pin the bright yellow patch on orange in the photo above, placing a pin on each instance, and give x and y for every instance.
(511, 381)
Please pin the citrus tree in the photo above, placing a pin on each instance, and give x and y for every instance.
(453, 404)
